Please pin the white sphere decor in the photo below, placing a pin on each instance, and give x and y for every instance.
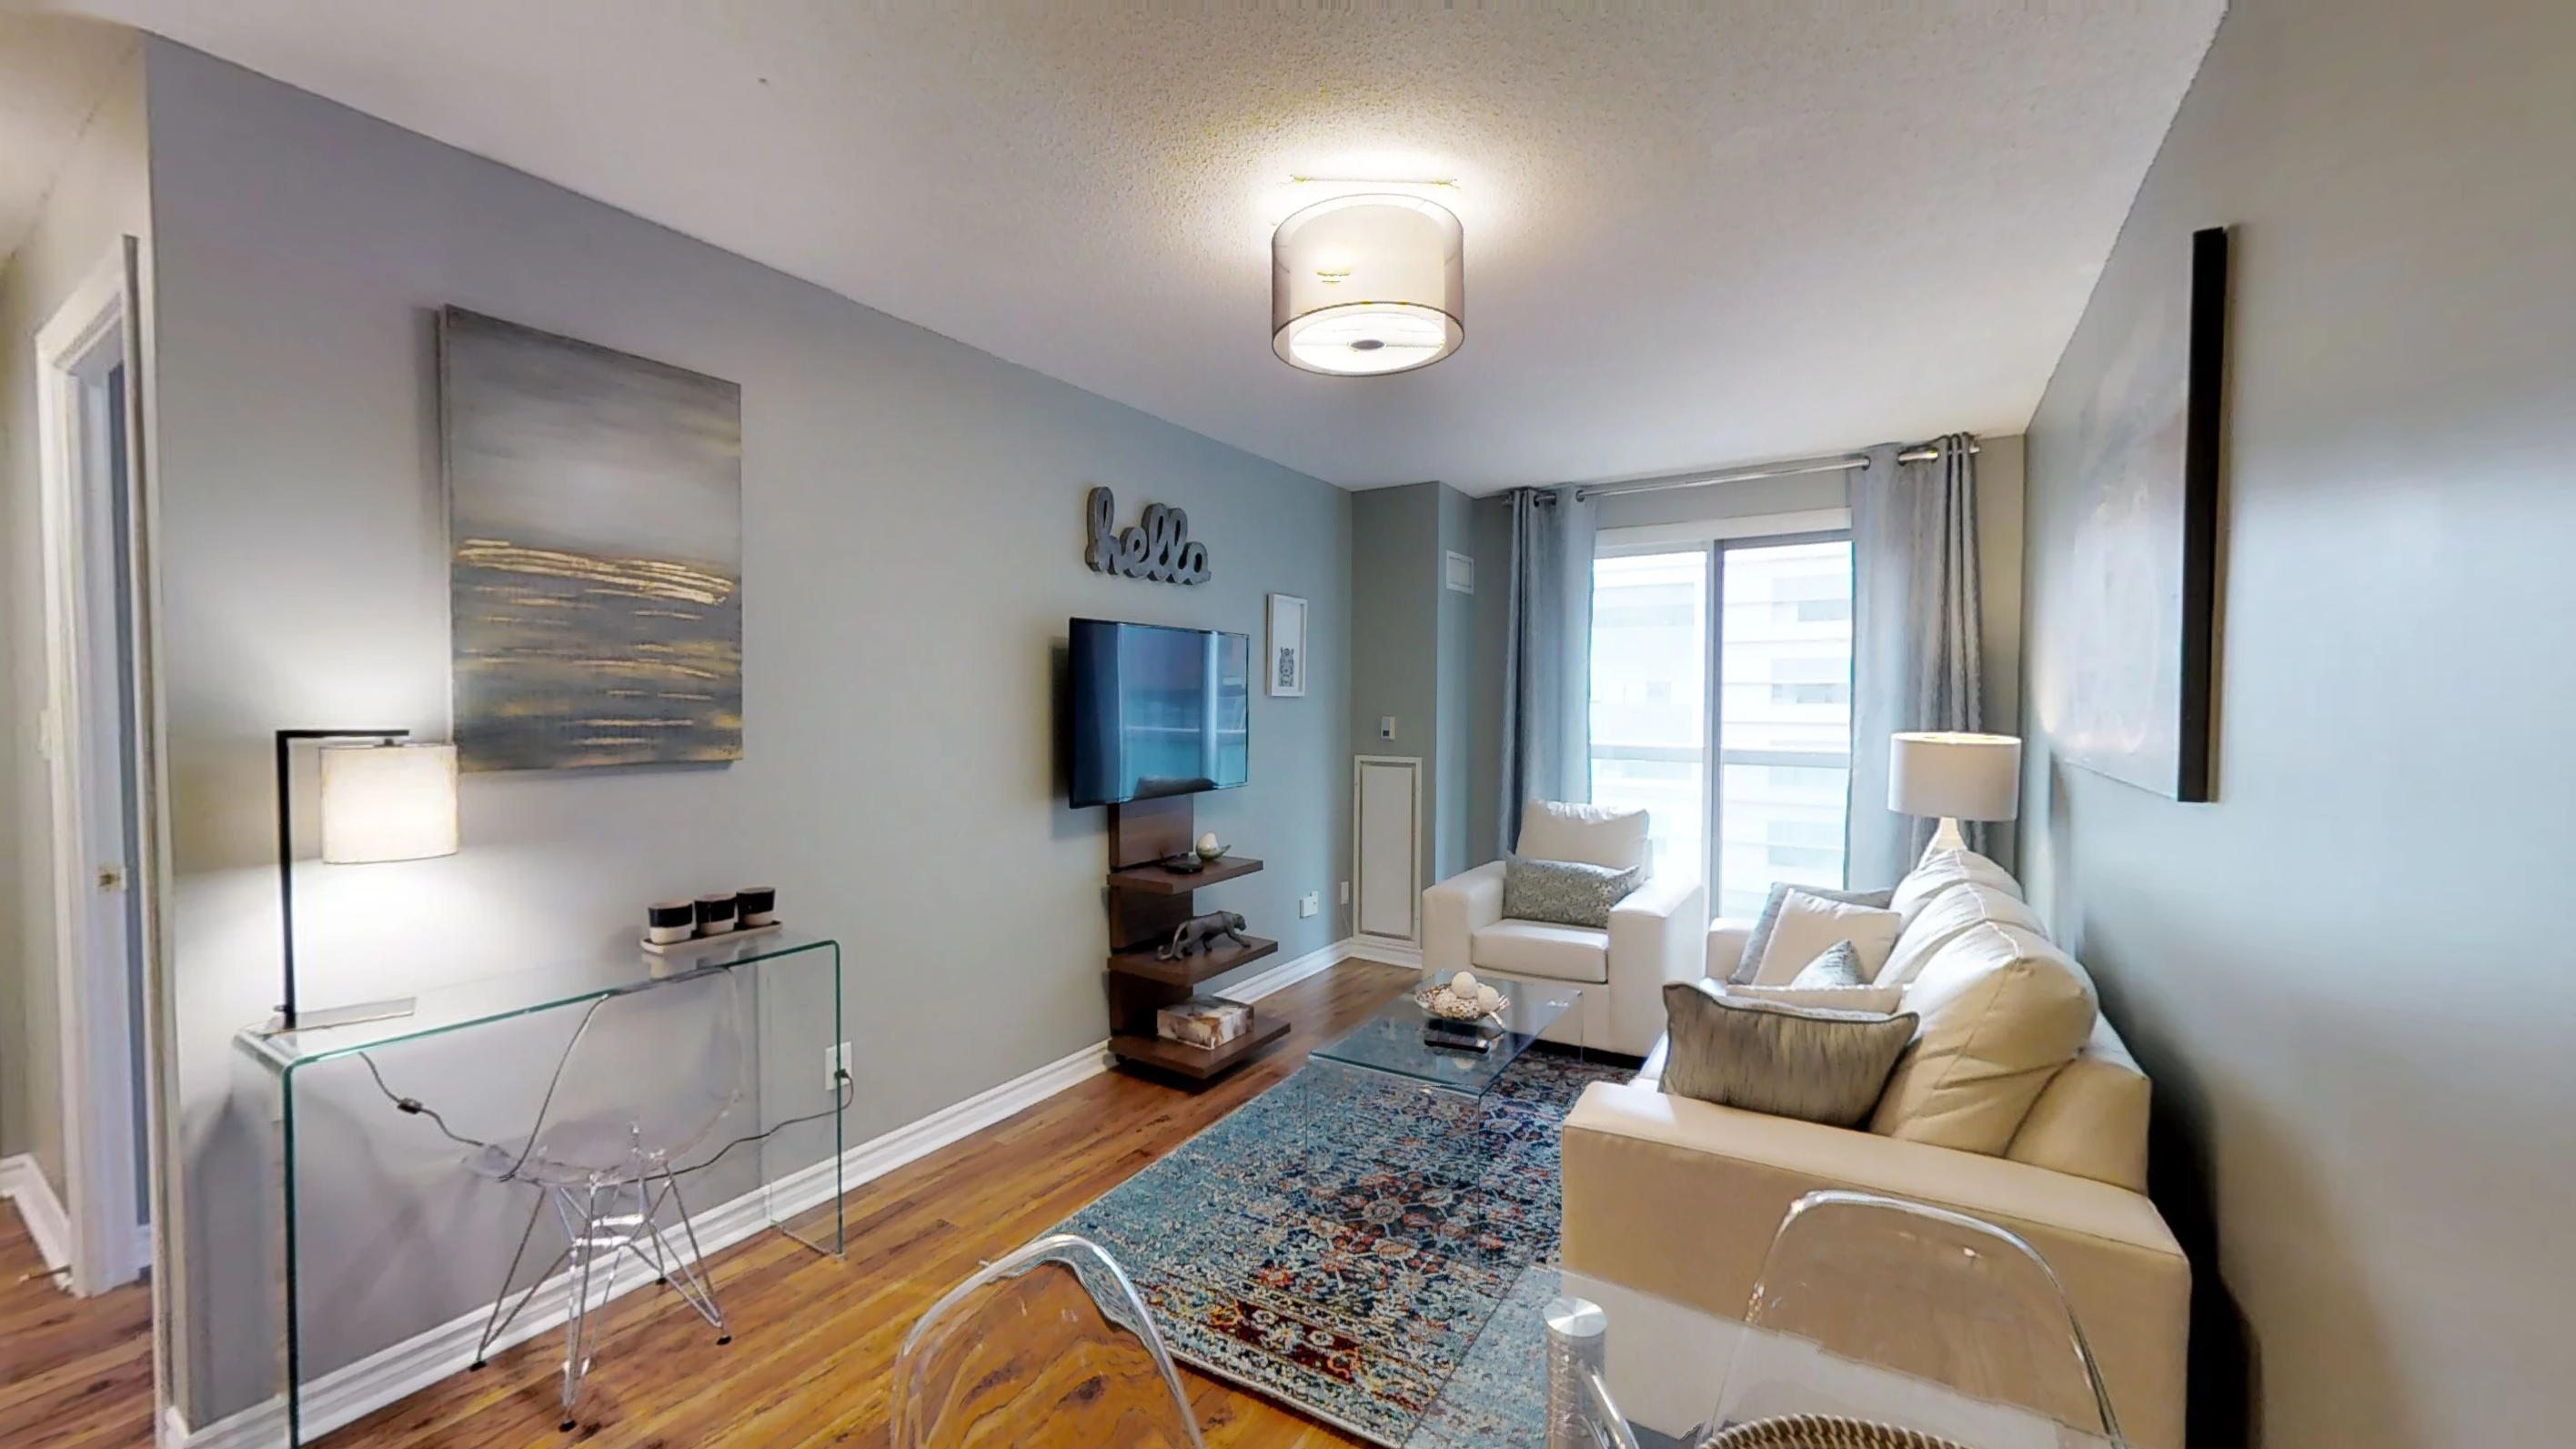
(1364, 286)
(1464, 983)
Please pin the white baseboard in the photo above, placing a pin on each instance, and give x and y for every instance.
(1289, 973)
(348, 1394)
(23, 1183)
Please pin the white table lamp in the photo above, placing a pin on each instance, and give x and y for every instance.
(1954, 777)
(389, 799)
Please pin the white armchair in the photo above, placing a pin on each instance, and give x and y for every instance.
(1654, 936)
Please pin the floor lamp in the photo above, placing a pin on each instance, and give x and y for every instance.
(383, 799)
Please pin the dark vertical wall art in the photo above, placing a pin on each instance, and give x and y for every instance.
(2129, 691)
(595, 524)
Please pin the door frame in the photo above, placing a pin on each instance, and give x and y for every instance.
(82, 739)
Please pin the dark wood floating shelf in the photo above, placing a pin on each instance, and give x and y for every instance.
(1216, 960)
(1198, 1062)
(1155, 880)
(1147, 903)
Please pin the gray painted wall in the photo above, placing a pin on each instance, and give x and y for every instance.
(99, 197)
(912, 549)
(1459, 702)
(1489, 525)
(1395, 636)
(2349, 975)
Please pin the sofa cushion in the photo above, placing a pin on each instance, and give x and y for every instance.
(1538, 948)
(2091, 1118)
(1832, 981)
(1788, 1061)
(1566, 892)
(1593, 834)
(1751, 961)
(1939, 870)
(1808, 926)
(1943, 918)
(2002, 1011)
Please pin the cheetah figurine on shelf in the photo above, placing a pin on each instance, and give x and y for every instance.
(1193, 936)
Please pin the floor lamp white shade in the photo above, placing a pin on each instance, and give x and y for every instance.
(388, 802)
(1954, 776)
(1363, 286)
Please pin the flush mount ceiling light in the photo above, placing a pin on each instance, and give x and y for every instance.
(1363, 286)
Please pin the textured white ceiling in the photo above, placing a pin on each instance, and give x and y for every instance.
(52, 72)
(1695, 235)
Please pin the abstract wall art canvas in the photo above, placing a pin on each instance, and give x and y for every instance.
(595, 524)
(2134, 681)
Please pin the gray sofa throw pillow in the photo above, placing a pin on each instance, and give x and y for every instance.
(1839, 966)
(1754, 945)
(1786, 1061)
(1565, 892)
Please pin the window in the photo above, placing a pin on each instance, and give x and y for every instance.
(1650, 697)
(1774, 711)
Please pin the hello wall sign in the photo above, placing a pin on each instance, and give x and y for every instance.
(1156, 546)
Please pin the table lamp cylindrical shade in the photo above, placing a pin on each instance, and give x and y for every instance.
(1954, 776)
(387, 802)
(1368, 285)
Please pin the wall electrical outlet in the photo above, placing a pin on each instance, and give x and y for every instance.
(1309, 903)
(1386, 726)
(836, 1061)
(1346, 893)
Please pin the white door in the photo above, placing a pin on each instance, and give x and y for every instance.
(93, 744)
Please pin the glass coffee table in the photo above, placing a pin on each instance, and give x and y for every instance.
(1395, 1042)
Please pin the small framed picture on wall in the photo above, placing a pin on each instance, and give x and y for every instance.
(1287, 645)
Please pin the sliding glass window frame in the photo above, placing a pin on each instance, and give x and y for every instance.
(1715, 749)
(1713, 540)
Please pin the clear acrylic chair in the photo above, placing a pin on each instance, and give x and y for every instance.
(646, 1080)
(1880, 1322)
(1050, 1345)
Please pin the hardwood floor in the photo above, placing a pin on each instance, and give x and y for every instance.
(75, 1373)
(815, 1336)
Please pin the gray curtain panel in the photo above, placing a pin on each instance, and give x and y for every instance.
(1547, 654)
(1916, 662)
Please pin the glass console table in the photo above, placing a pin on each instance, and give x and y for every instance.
(388, 1229)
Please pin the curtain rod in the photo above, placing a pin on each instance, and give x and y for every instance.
(1792, 468)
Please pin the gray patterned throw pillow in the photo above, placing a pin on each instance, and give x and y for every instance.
(1785, 1061)
(1754, 945)
(1565, 892)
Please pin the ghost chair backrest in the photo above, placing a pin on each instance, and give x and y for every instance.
(1050, 1345)
(1890, 1313)
(648, 1077)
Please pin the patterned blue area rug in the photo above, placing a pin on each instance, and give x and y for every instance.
(1348, 1243)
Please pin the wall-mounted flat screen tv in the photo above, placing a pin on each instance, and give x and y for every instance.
(1158, 711)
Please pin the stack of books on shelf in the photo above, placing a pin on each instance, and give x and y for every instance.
(1207, 1022)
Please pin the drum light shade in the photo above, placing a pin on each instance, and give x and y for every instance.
(1363, 286)
(388, 802)
(1954, 776)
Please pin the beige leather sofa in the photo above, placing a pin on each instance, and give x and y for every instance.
(1654, 936)
(1671, 1203)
